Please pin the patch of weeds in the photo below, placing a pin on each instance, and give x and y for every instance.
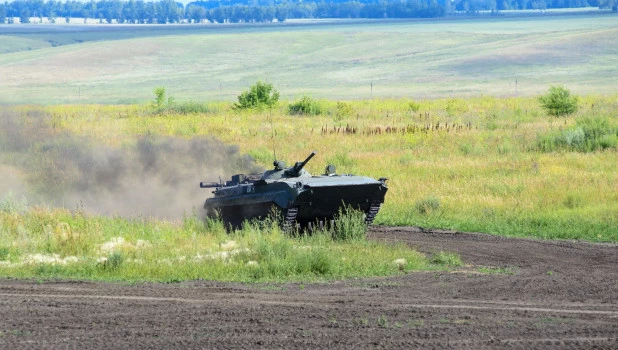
(444, 320)
(550, 320)
(215, 225)
(4, 253)
(467, 148)
(406, 159)
(550, 272)
(510, 324)
(416, 323)
(398, 324)
(349, 225)
(270, 287)
(382, 321)
(46, 270)
(114, 261)
(15, 332)
(332, 319)
(573, 201)
(427, 205)
(496, 270)
(388, 284)
(488, 213)
(343, 110)
(361, 321)
(505, 148)
(190, 107)
(172, 280)
(446, 258)
(306, 106)
(588, 135)
(413, 106)
(491, 123)
(320, 263)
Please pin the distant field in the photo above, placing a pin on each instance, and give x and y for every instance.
(417, 59)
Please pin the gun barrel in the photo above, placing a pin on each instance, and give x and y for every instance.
(209, 184)
(302, 165)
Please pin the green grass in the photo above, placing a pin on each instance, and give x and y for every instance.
(44, 243)
(477, 168)
(421, 59)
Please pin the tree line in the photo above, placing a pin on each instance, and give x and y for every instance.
(251, 11)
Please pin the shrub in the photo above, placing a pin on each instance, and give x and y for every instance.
(349, 225)
(114, 261)
(260, 95)
(342, 111)
(188, 108)
(306, 106)
(558, 101)
(159, 101)
(588, 135)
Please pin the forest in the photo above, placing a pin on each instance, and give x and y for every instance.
(262, 11)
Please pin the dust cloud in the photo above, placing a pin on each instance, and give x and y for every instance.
(155, 176)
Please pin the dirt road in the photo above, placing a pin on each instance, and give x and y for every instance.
(530, 294)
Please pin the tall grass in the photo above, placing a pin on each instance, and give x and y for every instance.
(52, 243)
(467, 164)
(589, 134)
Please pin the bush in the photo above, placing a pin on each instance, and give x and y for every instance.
(558, 101)
(159, 101)
(114, 261)
(588, 135)
(260, 95)
(343, 110)
(188, 108)
(306, 106)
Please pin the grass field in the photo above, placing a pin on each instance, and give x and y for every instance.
(463, 147)
(416, 59)
(476, 164)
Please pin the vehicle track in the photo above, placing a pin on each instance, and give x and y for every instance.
(574, 306)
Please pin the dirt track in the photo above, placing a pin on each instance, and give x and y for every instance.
(557, 295)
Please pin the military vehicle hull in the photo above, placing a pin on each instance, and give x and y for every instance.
(302, 201)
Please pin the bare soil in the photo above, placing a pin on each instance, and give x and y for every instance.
(514, 293)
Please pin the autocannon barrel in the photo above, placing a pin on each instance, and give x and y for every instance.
(299, 166)
(209, 184)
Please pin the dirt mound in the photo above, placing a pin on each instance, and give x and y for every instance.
(513, 293)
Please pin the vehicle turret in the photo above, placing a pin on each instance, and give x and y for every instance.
(281, 172)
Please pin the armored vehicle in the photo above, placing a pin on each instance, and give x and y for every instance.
(302, 199)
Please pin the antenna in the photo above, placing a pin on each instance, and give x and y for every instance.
(272, 131)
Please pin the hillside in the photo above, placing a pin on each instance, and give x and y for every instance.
(421, 59)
